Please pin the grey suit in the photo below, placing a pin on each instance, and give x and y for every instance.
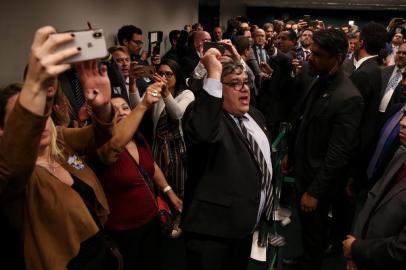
(380, 229)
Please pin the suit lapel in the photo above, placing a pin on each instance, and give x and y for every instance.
(319, 105)
(382, 196)
(385, 78)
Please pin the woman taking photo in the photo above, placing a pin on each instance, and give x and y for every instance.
(51, 196)
(130, 176)
(168, 144)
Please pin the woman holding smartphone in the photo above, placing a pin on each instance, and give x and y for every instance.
(49, 194)
(168, 143)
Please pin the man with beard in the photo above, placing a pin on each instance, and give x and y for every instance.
(324, 140)
(306, 40)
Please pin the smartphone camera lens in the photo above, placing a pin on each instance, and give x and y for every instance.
(97, 34)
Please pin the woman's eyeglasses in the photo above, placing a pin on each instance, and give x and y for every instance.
(167, 74)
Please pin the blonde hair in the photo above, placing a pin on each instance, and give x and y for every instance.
(55, 152)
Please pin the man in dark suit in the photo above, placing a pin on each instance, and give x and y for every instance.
(390, 92)
(388, 141)
(274, 91)
(228, 190)
(379, 238)
(324, 141)
(172, 53)
(192, 57)
(367, 78)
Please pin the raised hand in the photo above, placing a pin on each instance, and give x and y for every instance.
(95, 84)
(44, 65)
(152, 94)
(211, 61)
(165, 90)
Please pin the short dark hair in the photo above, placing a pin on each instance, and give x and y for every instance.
(196, 25)
(126, 33)
(331, 40)
(267, 25)
(173, 35)
(241, 43)
(374, 36)
(291, 34)
(5, 94)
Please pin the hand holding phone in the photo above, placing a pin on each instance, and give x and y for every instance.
(218, 46)
(141, 71)
(92, 45)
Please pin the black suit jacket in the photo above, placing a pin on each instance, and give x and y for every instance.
(275, 95)
(380, 228)
(367, 78)
(188, 62)
(327, 134)
(222, 191)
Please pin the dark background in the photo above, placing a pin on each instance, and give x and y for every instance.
(344, 11)
(336, 17)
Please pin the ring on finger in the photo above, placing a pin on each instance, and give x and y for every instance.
(154, 93)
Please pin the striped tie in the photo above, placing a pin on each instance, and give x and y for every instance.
(266, 185)
(78, 92)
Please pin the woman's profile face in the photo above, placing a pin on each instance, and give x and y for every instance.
(121, 107)
(166, 71)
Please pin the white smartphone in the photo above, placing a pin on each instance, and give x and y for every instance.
(92, 43)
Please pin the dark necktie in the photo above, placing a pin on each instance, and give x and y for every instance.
(266, 184)
(261, 55)
(306, 54)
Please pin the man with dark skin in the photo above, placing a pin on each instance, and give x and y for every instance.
(324, 141)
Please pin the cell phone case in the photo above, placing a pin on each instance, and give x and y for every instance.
(92, 43)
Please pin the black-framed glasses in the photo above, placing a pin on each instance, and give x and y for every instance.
(167, 74)
(238, 85)
(138, 42)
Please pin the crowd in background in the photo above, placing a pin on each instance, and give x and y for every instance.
(88, 151)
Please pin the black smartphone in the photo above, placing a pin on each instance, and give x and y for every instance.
(306, 18)
(144, 71)
(218, 46)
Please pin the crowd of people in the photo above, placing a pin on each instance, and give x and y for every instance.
(89, 150)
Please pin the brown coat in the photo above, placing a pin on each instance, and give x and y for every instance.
(51, 216)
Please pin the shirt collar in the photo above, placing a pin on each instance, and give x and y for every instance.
(357, 64)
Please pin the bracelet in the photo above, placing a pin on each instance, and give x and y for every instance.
(166, 189)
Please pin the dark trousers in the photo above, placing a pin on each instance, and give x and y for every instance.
(139, 247)
(205, 252)
(315, 227)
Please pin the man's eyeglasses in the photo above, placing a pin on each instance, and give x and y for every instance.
(238, 85)
(401, 53)
(138, 42)
(167, 74)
